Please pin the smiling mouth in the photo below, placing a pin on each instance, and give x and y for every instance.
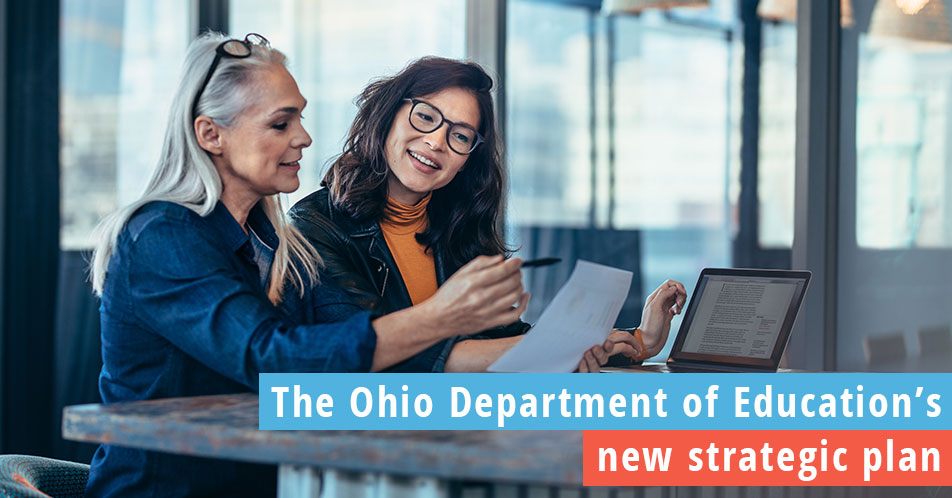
(292, 163)
(423, 160)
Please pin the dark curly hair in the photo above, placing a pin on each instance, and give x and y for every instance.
(463, 215)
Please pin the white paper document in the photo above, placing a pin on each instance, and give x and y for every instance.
(581, 316)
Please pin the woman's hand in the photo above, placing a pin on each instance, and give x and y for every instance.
(625, 343)
(660, 307)
(480, 296)
(618, 341)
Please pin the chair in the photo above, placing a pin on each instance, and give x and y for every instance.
(936, 340)
(23, 476)
(884, 348)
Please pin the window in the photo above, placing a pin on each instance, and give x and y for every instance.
(904, 104)
(895, 190)
(623, 142)
(673, 137)
(116, 58)
(549, 108)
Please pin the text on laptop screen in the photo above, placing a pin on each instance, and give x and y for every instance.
(739, 315)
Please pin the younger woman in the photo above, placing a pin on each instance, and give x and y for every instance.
(416, 194)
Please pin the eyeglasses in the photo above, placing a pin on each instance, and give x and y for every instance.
(425, 118)
(236, 49)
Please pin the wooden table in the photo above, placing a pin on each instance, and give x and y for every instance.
(350, 463)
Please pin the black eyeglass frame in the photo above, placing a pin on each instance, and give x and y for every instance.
(221, 51)
(479, 137)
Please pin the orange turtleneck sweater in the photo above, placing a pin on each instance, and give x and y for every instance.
(400, 225)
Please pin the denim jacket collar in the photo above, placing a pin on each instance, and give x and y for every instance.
(233, 236)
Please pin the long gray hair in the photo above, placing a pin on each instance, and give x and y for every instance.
(186, 175)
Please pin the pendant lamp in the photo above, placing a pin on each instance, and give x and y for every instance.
(916, 20)
(786, 10)
(636, 6)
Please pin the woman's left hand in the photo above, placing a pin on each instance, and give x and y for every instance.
(596, 356)
(660, 307)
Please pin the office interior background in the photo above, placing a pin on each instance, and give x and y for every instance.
(740, 133)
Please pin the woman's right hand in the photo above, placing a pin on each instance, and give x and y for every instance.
(480, 296)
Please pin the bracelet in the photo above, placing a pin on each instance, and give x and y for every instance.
(641, 342)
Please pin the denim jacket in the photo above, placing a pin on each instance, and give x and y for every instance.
(185, 313)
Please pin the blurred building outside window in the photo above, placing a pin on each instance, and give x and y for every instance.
(903, 128)
(115, 89)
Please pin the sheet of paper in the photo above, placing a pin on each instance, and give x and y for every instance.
(580, 316)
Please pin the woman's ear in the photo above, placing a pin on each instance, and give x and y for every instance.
(208, 134)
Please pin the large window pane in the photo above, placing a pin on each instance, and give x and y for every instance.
(336, 48)
(894, 254)
(903, 125)
(115, 90)
(617, 151)
(673, 130)
(676, 144)
(549, 109)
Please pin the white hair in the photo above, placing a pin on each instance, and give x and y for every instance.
(186, 175)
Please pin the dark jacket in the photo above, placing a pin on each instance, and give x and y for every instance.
(356, 255)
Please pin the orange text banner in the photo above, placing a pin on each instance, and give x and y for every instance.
(767, 458)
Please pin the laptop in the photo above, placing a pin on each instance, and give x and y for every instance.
(738, 320)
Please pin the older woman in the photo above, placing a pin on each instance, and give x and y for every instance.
(204, 284)
(416, 194)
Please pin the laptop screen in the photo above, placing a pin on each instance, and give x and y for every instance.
(740, 317)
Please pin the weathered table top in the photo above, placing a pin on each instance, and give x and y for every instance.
(227, 427)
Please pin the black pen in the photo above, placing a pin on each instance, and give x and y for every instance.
(540, 262)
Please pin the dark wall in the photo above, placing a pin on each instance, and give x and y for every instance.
(29, 208)
(77, 349)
